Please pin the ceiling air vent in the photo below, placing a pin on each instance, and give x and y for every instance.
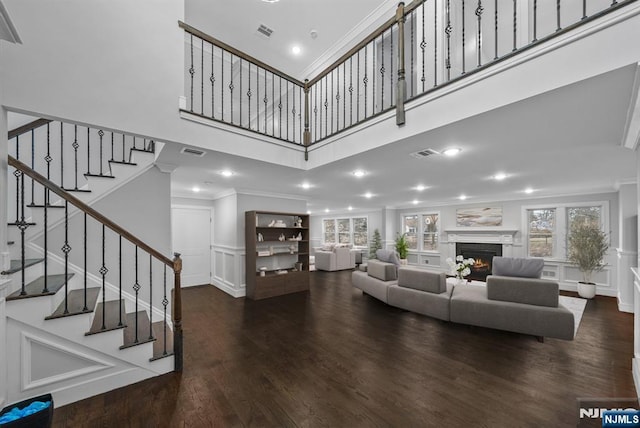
(265, 31)
(192, 151)
(424, 153)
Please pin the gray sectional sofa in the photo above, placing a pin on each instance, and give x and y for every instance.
(512, 303)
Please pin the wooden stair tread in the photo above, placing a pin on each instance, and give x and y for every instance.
(158, 345)
(112, 318)
(34, 288)
(99, 175)
(15, 223)
(16, 265)
(123, 162)
(76, 190)
(129, 333)
(42, 206)
(75, 303)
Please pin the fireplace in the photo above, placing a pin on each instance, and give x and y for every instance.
(482, 254)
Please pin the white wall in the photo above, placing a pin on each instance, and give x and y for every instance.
(627, 249)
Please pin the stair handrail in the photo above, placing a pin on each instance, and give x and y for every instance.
(175, 264)
(28, 127)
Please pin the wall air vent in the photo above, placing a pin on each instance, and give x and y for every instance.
(264, 31)
(192, 151)
(424, 153)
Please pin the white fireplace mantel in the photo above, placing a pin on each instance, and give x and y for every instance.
(484, 235)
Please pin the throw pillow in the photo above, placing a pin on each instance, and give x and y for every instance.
(388, 256)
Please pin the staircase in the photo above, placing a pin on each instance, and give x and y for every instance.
(88, 307)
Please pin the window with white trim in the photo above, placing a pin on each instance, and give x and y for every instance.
(421, 231)
(346, 230)
(410, 229)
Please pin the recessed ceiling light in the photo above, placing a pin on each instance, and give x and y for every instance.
(368, 195)
(358, 173)
(451, 152)
(415, 202)
(350, 208)
(305, 185)
(420, 187)
(462, 197)
(308, 212)
(226, 173)
(500, 176)
(195, 189)
(271, 1)
(296, 50)
(326, 210)
(528, 190)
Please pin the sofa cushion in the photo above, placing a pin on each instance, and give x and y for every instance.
(382, 270)
(520, 267)
(532, 291)
(423, 280)
(388, 256)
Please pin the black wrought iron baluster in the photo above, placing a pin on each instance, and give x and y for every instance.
(88, 151)
(222, 84)
(614, 2)
(123, 147)
(584, 9)
(273, 105)
(558, 27)
(101, 134)
(515, 25)
(412, 45)
(212, 79)
(344, 94)
(391, 53)
(423, 46)
(84, 235)
(22, 226)
(435, 44)
(75, 146)
(165, 303)
(257, 99)
(495, 24)
(45, 289)
(66, 248)
(315, 112)
(231, 86)
(61, 155)
(382, 72)
(447, 31)
(266, 101)
(365, 80)
(150, 297)
(202, 77)
(240, 93)
(192, 71)
(535, 20)
(135, 146)
(111, 145)
(479, 11)
(136, 288)
(33, 163)
(17, 173)
(48, 157)
(326, 106)
(280, 107)
(373, 78)
(119, 280)
(332, 92)
(300, 110)
(358, 89)
(287, 111)
(293, 113)
(249, 95)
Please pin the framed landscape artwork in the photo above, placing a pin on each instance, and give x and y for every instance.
(479, 217)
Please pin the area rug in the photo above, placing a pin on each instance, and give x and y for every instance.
(576, 306)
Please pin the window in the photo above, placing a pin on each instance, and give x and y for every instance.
(329, 227)
(547, 228)
(346, 231)
(542, 224)
(430, 232)
(360, 229)
(410, 229)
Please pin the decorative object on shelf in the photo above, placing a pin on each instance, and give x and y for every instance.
(299, 237)
(264, 253)
(460, 268)
(279, 223)
(292, 249)
(299, 266)
(281, 272)
(298, 222)
(281, 237)
(260, 237)
(263, 270)
(271, 251)
(587, 245)
(273, 222)
(402, 248)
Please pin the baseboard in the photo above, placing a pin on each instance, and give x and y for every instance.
(636, 375)
(229, 290)
(625, 307)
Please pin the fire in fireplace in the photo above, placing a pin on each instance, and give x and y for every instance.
(482, 254)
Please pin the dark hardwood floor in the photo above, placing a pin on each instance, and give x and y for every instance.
(337, 358)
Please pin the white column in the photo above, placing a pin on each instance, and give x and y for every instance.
(389, 229)
(4, 283)
(4, 147)
(627, 251)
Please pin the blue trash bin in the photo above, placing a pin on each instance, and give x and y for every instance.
(40, 419)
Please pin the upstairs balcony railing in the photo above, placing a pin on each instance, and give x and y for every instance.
(426, 45)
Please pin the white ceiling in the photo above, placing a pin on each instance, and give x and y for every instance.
(566, 141)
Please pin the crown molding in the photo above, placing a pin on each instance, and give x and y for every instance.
(631, 135)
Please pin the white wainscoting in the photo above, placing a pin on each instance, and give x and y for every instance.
(636, 330)
(229, 270)
(4, 286)
(626, 260)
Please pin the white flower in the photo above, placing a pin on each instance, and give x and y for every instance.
(466, 271)
(470, 261)
(459, 258)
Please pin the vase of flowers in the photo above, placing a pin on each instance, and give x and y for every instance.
(460, 268)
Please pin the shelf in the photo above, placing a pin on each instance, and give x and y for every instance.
(270, 273)
(279, 254)
(277, 228)
(279, 242)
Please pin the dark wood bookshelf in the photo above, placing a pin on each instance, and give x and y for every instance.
(280, 258)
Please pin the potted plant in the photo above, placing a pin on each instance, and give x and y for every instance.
(402, 248)
(376, 244)
(587, 245)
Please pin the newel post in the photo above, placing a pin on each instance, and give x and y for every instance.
(306, 140)
(401, 93)
(177, 313)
